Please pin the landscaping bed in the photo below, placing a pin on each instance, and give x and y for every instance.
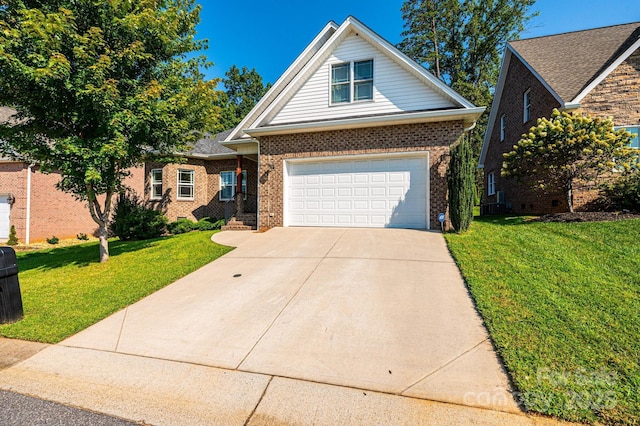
(586, 217)
(561, 302)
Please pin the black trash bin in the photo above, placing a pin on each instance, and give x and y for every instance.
(10, 297)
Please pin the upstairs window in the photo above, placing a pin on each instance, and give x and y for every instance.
(156, 184)
(186, 184)
(228, 184)
(527, 105)
(502, 127)
(352, 82)
(491, 183)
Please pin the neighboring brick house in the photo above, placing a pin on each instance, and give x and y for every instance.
(353, 134)
(596, 72)
(30, 201)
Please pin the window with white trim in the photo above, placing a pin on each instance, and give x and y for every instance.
(229, 183)
(352, 82)
(634, 130)
(527, 105)
(156, 184)
(491, 183)
(502, 127)
(186, 184)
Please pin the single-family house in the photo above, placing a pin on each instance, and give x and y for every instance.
(595, 72)
(353, 134)
(30, 201)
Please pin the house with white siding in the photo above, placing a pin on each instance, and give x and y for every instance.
(353, 134)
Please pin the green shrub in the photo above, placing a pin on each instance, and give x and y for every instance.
(53, 240)
(82, 237)
(132, 220)
(461, 185)
(624, 192)
(181, 226)
(13, 240)
(209, 224)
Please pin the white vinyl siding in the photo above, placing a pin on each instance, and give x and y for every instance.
(186, 184)
(156, 184)
(394, 89)
(491, 183)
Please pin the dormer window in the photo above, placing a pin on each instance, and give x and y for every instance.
(352, 82)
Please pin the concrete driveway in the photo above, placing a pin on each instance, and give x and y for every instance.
(381, 310)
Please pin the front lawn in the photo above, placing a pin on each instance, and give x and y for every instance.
(562, 304)
(65, 290)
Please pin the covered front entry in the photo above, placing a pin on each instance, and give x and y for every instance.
(5, 209)
(373, 191)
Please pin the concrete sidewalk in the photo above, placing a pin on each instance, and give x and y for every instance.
(295, 326)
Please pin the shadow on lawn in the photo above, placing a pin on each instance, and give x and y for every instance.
(503, 219)
(79, 255)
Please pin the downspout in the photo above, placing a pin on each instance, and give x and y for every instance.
(258, 192)
(28, 214)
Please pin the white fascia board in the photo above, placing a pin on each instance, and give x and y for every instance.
(281, 83)
(409, 63)
(606, 72)
(209, 156)
(468, 115)
(495, 106)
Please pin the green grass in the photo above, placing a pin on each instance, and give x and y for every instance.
(65, 290)
(562, 305)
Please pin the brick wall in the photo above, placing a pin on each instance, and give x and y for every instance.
(433, 137)
(53, 212)
(206, 202)
(617, 96)
(523, 200)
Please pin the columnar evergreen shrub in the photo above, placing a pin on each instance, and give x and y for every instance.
(460, 181)
(13, 240)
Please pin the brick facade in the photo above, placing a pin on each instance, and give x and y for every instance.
(617, 96)
(53, 212)
(433, 137)
(206, 202)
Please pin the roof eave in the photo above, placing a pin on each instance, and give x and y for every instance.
(468, 115)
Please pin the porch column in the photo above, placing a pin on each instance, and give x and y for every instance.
(239, 194)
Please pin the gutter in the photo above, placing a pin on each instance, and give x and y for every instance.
(469, 115)
(28, 213)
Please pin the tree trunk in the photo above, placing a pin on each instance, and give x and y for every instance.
(104, 242)
(569, 193)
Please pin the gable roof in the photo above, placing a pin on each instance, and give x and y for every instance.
(568, 65)
(569, 62)
(257, 121)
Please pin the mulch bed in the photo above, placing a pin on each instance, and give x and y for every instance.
(586, 217)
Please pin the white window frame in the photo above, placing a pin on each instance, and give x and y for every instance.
(502, 127)
(352, 82)
(526, 100)
(491, 183)
(155, 183)
(191, 184)
(234, 185)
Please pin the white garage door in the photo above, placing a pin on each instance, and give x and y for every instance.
(365, 192)
(4, 217)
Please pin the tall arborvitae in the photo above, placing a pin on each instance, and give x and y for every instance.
(460, 180)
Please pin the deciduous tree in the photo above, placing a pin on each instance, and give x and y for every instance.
(98, 87)
(243, 89)
(567, 149)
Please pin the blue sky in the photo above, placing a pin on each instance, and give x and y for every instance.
(268, 35)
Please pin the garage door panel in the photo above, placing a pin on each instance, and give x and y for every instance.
(382, 192)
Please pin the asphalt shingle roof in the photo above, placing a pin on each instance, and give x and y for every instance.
(569, 62)
(210, 145)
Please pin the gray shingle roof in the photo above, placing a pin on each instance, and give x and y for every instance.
(569, 62)
(210, 145)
